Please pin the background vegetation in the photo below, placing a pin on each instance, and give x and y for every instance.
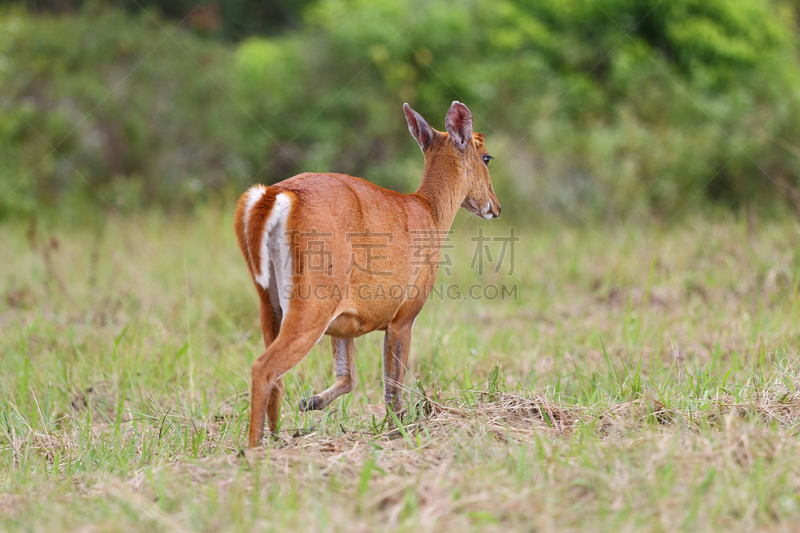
(607, 107)
(645, 377)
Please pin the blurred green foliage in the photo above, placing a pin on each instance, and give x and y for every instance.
(591, 108)
(229, 19)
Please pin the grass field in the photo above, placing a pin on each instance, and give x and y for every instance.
(643, 379)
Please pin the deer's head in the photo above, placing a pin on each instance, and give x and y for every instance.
(459, 154)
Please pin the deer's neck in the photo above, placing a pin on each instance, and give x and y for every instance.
(442, 189)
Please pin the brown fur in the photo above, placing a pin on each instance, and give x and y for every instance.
(339, 205)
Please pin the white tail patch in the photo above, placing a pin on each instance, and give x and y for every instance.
(274, 250)
(254, 194)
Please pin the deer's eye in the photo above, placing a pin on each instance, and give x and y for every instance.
(486, 159)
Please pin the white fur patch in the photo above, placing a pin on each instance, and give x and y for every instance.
(254, 194)
(274, 250)
(487, 213)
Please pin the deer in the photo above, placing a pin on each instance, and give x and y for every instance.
(322, 247)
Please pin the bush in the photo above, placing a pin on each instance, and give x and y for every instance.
(613, 106)
(609, 108)
(111, 104)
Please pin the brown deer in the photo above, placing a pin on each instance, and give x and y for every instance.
(331, 254)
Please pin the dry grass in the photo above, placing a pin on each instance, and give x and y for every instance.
(644, 380)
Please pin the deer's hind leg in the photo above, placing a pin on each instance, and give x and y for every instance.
(344, 367)
(270, 327)
(301, 328)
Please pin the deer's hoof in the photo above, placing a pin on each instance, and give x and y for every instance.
(311, 404)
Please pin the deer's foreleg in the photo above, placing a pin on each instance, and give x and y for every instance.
(396, 345)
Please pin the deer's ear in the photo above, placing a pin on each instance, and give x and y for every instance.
(418, 127)
(459, 124)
